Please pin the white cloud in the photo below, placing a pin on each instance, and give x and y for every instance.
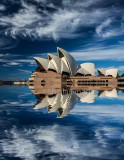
(17, 103)
(2, 7)
(4, 55)
(120, 68)
(24, 17)
(99, 29)
(5, 60)
(78, 4)
(63, 23)
(7, 43)
(101, 110)
(24, 71)
(31, 61)
(106, 30)
(100, 53)
(13, 64)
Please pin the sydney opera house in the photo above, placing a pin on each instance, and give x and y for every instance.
(62, 71)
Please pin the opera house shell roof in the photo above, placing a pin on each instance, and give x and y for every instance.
(109, 72)
(65, 63)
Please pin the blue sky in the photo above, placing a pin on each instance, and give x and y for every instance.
(90, 30)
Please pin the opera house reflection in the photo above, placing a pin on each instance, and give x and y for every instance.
(64, 101)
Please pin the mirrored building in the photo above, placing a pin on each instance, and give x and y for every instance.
(64, 101)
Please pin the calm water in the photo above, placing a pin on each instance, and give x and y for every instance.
(90, 125)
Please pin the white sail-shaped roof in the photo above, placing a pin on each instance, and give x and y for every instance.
(68, 60)
(112, 72)
(55, 104)
(64, 68)
(67, 103)
(82, 94)
(83, 71)
(88, 68)
(111, 93)
(86, 97)
(51, 66)
(101, 71)
(43, 62)
(51, 100)
(42, 104)
(56, 61)
(65, 99)
(102, 94)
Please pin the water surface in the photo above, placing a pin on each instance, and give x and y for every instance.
(90, 127)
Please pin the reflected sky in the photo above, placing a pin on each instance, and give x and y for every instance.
(92, 129)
